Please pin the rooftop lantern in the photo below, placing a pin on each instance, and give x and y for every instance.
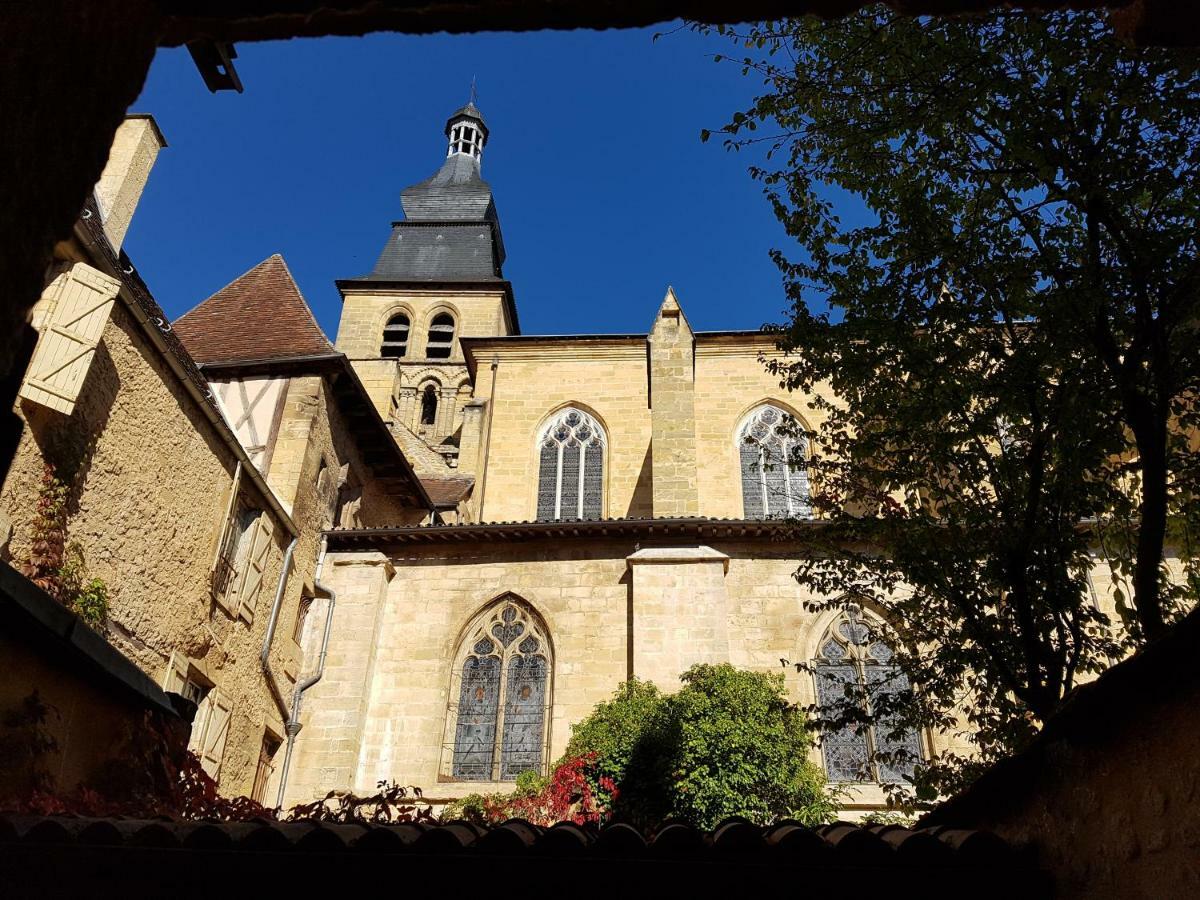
(467, 132)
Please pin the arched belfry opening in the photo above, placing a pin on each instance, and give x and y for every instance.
(429, 405)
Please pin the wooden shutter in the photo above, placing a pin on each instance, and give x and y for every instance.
(175, 677)
(82, 300)
(230, 520)
(256, 567)
(211, 743)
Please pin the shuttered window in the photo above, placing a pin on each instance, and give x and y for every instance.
(210, 731)
(254, 571)
(210, 726)
(80, 302)
(240, 571)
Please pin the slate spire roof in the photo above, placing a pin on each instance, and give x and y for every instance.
(260, 315)
(450, 231)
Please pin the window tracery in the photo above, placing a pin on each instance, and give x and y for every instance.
(570, 467)
(500, 724)
(854, 665)
(771, 488)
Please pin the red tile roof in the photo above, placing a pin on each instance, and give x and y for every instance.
(259, 315)
(447, 491)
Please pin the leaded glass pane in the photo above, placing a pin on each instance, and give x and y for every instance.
(906, 745)
(801, 492)
(578, 445)
(508, 629)
(854, 631)
(775, 475)
(845, 752)
(547, 480)
(752, 498)
(524, 712)
(593, 480)
(568, 507)
(880, 651)
(831, 649)
(529, 645)
(475, 733)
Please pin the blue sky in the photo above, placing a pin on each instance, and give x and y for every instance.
(606, 194)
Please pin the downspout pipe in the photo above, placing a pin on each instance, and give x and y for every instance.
(292, 727)
(264, 657)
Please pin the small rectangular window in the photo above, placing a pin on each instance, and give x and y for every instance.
(266, 766)
(306, 601)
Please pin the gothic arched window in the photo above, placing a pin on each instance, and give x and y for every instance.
(395, 337)
(570, 467)
(441, 337)
(429, 405)
(854, 666)
(504, 668)
(771, 488)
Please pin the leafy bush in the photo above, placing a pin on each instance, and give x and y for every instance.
(728, 743)
(612, 732)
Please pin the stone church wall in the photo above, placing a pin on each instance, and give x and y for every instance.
(608, 381)
(382, 711)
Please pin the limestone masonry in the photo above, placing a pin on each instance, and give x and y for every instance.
(425, 550)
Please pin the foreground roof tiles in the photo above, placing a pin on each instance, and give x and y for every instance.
(260, 315)
(120, 857)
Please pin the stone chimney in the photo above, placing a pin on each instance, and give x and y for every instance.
(673, 412)
(134, 150)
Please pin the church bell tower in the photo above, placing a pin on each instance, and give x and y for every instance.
(438, 279)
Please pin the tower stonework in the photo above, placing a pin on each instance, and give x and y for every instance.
(438, 279)
(673, 412)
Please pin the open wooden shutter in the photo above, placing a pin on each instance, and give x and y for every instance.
(176, 674)
(82, 300)
(256, 567)
(228, 523)
(216, 731)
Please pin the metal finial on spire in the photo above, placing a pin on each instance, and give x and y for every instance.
(474, 95)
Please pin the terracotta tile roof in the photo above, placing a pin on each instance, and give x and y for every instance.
(447, 491)
(259, 315)
(835, 845)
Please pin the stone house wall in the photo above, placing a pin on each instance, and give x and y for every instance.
(149, 476)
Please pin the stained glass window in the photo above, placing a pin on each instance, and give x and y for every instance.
(504, 674)
(773, 487)
(853, 666)
(570, 467)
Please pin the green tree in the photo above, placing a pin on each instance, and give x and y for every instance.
(1009, 332)
(727, 743)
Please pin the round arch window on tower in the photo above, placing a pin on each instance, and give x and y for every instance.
(441, 337)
